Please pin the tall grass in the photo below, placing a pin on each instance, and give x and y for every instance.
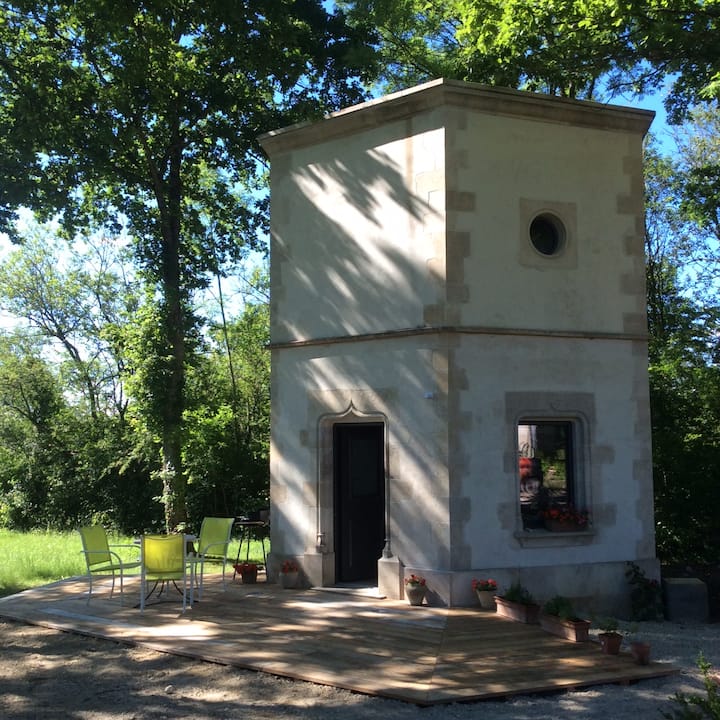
(39, 558)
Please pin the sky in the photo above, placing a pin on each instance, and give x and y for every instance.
(659, 128)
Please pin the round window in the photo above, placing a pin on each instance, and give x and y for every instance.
(547, 234)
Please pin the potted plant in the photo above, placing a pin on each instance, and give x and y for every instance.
(289, 572)
(415, 589)
(610, 636)
(640, 650)
(485, 591)
(248, 571)
(516, 603)
(559, 518)
(558, 617)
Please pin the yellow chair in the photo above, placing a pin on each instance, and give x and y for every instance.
(164, 559)
(212, 546)
(100, 559)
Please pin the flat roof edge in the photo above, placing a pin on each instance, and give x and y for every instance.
(456, 93)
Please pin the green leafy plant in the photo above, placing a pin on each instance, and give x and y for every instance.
(697, 707)
(560, 606)
(519, 594)
(645, 595)
(608, 625)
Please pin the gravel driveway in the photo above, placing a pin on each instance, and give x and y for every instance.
(49, 674)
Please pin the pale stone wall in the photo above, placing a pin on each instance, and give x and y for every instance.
(404, 290)
(311, 387)
(508, 171)
(357, 225)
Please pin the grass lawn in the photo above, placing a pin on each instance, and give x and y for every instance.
(38, 558)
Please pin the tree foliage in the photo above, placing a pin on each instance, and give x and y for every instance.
(68, 453)
(574, 48)
(61, 464)
(684, 322)
(147, 116)
(227, 453)
(76, 299)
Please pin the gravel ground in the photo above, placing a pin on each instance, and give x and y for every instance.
(50, 674)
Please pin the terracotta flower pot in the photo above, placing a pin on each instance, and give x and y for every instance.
(249, 577)
(641, 652)
(610, 642)
(247, 571)
(575, 630)
(520, 612)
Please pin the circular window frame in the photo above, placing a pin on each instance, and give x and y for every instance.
(547, 235)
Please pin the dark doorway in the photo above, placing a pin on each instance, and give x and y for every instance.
(359, 467)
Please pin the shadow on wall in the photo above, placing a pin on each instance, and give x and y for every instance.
(356, 247)
(342, 255)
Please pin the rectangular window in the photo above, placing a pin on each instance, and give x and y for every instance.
(546, 466)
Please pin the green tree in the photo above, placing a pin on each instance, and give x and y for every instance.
(147, 115)
(30, 400)
(78, 301)
(227, 454)
(416, 39)
(684, 377)
(698, 143)
(574, 48)
(60, 465)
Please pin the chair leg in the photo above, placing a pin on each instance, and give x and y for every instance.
(202, 575)
(87, 602)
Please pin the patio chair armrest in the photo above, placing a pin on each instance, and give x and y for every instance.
(133, 546)
(115, 558)
(96, 552)
(204, 551)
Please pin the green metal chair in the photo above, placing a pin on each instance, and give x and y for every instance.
(100, 559)
(164, 560)
(212, 546)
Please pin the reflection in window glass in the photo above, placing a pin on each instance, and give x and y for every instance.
(545, 455)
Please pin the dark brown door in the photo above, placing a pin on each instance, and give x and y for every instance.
(359, 500)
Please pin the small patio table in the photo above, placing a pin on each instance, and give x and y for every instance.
(248, 528)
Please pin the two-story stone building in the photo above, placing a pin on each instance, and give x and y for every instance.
(459, 344)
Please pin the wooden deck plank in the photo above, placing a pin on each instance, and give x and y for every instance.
(421, 655)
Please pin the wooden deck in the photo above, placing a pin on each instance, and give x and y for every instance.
(379, 647)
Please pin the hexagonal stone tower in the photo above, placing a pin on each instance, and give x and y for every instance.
(459, 349)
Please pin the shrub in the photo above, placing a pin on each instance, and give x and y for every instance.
(696, 707)
(645, 595)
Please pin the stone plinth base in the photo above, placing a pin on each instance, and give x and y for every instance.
(686, 600)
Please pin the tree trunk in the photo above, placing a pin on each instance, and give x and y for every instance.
(176, 324)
